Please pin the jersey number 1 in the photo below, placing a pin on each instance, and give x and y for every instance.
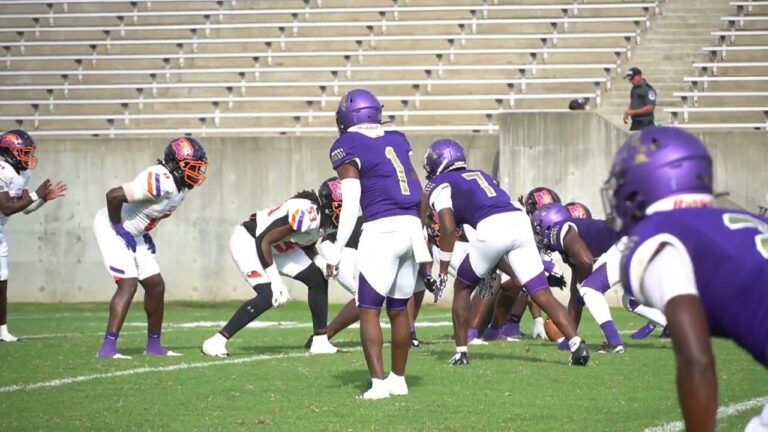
(399, 169)
(736, 221)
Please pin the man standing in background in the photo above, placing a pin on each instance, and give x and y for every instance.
(642, 101)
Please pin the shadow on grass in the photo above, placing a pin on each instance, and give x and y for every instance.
(360, 380)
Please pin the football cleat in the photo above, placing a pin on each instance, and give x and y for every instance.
(478, 341)
(607, 348)
(580, 357)
(459, 359)
(644, 331)
(396, 385)
(111, 354)
(160, 351)
(378, 390)
(308, 343)
(321, 345)
(415, 342)
(215, 346)
(7, 337)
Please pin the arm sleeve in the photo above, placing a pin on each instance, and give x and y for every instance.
(34, 206)
(350, 193)
(668, 275)
(440, 198)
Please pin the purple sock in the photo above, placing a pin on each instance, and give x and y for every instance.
(110, 340)
(491, 333)
(471, 334)
(413, 329)
(153, 340)
(611, 333)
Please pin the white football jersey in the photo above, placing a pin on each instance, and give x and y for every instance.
(301, 215)
(13, 183)
(152, 196)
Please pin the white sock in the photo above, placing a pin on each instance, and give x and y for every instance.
(651, 314)
(377, 384)
(538, 321)
(4, 329)
(320, 339)
(461, 349)
(574, 343)
(596, 304)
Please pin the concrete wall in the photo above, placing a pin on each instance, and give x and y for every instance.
(53, 255)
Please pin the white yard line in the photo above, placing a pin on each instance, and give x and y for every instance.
(723, 412)
(143, 370)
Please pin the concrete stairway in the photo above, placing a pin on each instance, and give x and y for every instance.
(667, 51)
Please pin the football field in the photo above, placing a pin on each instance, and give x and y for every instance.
(53, 381)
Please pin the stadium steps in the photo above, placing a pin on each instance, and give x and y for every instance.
(667, 51)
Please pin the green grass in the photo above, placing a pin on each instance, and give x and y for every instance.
(525, 386)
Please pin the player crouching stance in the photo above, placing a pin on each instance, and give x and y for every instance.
(17, 160)
(122, 233)
(463, 196)
(706, 268)
(273, 242)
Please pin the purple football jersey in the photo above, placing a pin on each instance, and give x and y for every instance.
(389, 187)
(596, 234)
(474, 194)
(729, 253)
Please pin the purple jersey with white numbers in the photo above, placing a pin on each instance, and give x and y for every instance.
(729, 253)
(389, 187)
(596, 234)
(474, 194)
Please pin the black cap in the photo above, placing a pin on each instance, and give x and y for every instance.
(633, 72)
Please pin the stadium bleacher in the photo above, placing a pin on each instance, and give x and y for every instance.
(237, 65)
(81, 66)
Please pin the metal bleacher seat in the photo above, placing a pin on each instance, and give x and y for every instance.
(230, 66)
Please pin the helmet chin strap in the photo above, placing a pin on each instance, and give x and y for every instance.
(693, 200)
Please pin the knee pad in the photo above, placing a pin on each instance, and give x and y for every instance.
(263, 290)
(312, 277)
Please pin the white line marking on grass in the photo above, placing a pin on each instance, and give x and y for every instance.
(142, 370)
(723, 412)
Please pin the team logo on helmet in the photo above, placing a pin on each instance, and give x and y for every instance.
(183, 149)
(11, 141)
(543, 197)
(335, 187)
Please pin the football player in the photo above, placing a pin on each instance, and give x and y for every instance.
(273, 242)
(17, 160)
(706, 268)
(655, 317)
(122, 232)
(463, 196)
(377, 175)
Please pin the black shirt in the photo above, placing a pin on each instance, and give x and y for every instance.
(642, 95)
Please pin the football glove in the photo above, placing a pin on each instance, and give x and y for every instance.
(556, 280)
(429, 282)
(279, 293)
(128, 239)
(442, 281)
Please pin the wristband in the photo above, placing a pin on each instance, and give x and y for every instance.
(34, 196)
(272, 273)
(444, 255)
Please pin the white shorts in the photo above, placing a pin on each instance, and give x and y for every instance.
(348, 273)
(612, 260)
(3, 255)
(505, 234)
(242, 246)
(386, 256)
(121, 262)
(460, 250)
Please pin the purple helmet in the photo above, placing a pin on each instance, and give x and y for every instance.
(578, 210)
(544, 218)
(538, 197)
(653, 164)
(357, 107)
(444, 155)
